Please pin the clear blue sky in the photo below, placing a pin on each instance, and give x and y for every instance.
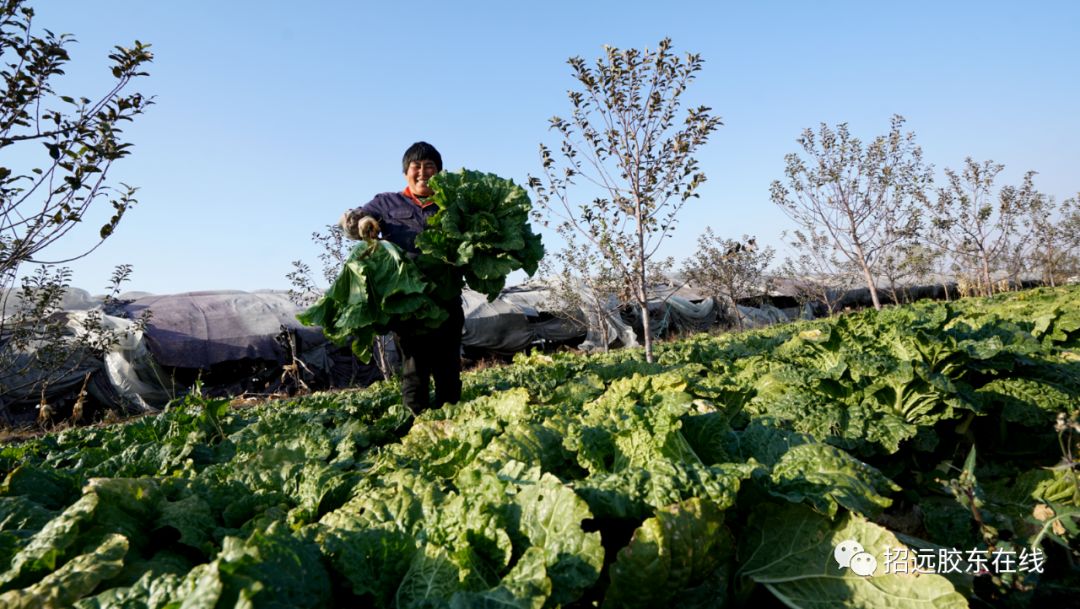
(274, 117)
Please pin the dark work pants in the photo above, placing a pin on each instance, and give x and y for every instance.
(432, 354)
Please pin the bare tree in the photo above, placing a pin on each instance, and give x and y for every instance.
(1054, 243)
(973, 226)
(629, 143)
(730, 270)
(911, 261)
(862, 197)
(817, 274)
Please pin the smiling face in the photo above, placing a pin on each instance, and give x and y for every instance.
(417, 174)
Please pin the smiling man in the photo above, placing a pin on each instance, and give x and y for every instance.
(399, 217)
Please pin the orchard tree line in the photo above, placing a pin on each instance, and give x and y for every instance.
(870, 214)
(866, 214)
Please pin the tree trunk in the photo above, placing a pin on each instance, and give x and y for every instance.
(868, 277)
(381, 360)
(829, 304)
(986, 275)
(646, 325)
(894, 294)
(1050, 267)
(642, 293)
(873, 288)
(601, 316)
(643, 286)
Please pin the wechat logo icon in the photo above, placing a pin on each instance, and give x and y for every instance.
(849, 554)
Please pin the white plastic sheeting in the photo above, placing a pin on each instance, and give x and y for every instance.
(129, 366)
(759, 317)
(521, 316)
(125, 377)
(73, 299)
(531, 302)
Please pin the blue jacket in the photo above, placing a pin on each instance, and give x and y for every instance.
(400, 218)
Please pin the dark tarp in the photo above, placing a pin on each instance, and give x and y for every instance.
(202, 329)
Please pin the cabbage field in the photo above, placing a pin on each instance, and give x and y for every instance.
(919, 456)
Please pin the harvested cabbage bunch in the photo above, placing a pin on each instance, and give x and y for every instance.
(378, 286)
(482, 227)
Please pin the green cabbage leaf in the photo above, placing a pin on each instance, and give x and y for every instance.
(378, 285)
(482, 227)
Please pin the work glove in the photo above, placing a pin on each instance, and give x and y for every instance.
(357, 225)
(368, 228)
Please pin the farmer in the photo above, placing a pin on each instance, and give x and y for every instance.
(399, 217)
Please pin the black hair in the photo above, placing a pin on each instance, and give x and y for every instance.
(421, 151)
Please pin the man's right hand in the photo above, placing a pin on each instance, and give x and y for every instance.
(355, 225)
(368, 228)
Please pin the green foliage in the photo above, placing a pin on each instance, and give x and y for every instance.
(975, 227)
(701, 480)
(82, 138)
(791, 553)
(377, 286)
(730, 270)
(76, 578)
(274, 569)
(682, 548)
(1053, 243)
(482, 227)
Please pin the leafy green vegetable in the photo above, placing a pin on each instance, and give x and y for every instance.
(792, 554)
(431, 580)
(676, 550)
(271, 569)
(727, 471)
(377, 285)
(116, 506)
(526, 586)
(482, 227)
(51, 489)
(551, 517)
(827, 478)
(152, 591)
(72, 581)
(481, 232)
